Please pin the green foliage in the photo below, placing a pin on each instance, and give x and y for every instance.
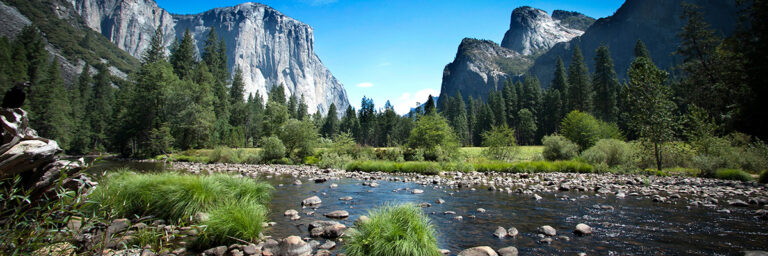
(558, 148)
(433, 134)
(333, 160)
(733, 174)
(534, 167)
(272, 148)
(500, 143)
(183, 56)
(426, 168)
(299, 137)
(610, 152)
(390, 154)
(331, 125)
(580, 93)
(394, 230)
(606, 86)
(584, 130)
(236, 219)
(763, 177)
(176, 197)
(526, 126)
(673, 154)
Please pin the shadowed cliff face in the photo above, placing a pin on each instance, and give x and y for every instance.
(269, 47)
(656, 22)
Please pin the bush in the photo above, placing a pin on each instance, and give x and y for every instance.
(413, 154)
(333, 160)
(610, 152)
(271, 148)
(585, 130)
(732, 174)
(764, 177)
(299, 138)
(500, 143)
(433, 134)
(394, 230)
(390, 154)
(673, 154)
(343, 144)
(223, 154)
(558, 148)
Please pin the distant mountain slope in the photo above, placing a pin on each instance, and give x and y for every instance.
(656, 22)
(68, 38)
(532, 30)
(270, 47)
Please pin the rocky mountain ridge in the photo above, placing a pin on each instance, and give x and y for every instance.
(268, 46)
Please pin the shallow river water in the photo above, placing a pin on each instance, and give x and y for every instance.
(629, 226)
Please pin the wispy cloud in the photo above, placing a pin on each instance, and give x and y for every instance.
(409, 100)
(365, 85)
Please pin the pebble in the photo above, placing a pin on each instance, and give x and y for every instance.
(582, 229)
(547, 230)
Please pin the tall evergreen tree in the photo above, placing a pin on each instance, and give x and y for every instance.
(580, 88)
(459, 119)
(367, 117)
(349, 123)
(100, 108)
(551, 111)
(606, 86)
(81, 94)
(485, 121)
(526, 127)
(331, 125)
(429, 106)
(183, 56)
(385, 125)
(510, 102)
(560, 83)
(472, 121)
(255, 116)
(53, 119)
(640, 50)
(238, 111)
(156, 50)
(496, 102)
(276, 94)
(302, 110)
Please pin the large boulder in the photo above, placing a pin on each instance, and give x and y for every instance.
(479, 251)
(293, 246)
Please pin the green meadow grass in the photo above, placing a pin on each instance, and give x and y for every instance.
(393, 230)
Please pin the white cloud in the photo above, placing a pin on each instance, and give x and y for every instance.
(409, 100)
(365, 85)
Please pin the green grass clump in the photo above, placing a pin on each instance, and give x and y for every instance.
(764, 177)
(231, 220)
(535, 167)
(177, 197)
(394, 230)
(427, 168)
(732, 174)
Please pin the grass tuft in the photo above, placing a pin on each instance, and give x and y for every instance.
(733, 174)
(394, 230)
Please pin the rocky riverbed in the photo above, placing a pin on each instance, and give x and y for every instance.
(544, 213)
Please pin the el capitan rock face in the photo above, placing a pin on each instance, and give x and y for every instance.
(532, 30)
(269, 47)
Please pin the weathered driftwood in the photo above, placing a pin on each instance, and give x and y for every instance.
(30, 156)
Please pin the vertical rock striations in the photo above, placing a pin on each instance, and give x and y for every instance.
(532, 31)
(270, 47)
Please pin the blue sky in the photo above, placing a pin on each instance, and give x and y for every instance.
(396, 49)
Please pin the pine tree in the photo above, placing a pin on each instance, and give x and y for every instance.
(531, 97)
(651, 109)
(485, 121)
(472, 121)
(385, 125)
(238, 113)
(277, 95)
(560, 83)
(100, 108)
(331, 125)
(551, 111)
(496, 102)
(80, 95)
(302, 110)
(429, 106)
(526, 128)
(606, 86)
(580, 91)
(510, 102)
(255, 116)
(349, 122)
(53, 115)
(640, 50)
(367, 117)
(293, 103)
(6, 65)
(459, 119)
(183, 56)
(156, 50)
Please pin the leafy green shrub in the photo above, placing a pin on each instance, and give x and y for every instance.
(283, 161)
(231, 219)
(732, 174)
(299, 138)
(459, 166)
(610, 152)
(585, 130)
(390, 154)
(333, 160)
(558, 148)
(343, 144)
(500, 143)
(673, 154)
(433, 134)
(364, 153)
(764, 177)
(394, 230)
(411, 154)
(271, 148)
(223, 154)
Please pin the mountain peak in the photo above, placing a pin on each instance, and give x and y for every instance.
(532, 31)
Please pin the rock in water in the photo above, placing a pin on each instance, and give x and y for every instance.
(337, 214)
(293, 246)
(478, 251)
(500, 232)
(547, 230)
(311, 201)
(583, 229)
(508, 251)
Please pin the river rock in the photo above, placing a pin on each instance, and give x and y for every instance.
(216, 251)
(251, 249)
(508, 251)
(314, 200)
(201, 217)
(737, 203)
(755, 253)
(291, 212)
(327, 229)
(337, 214)
(500, 232)
(362, 220)
(480, 210)
(327, 245)
(512, 232)
(444, 251)
(547, 230)
(537, 197)
(582, 229)
(118, 225)
(439, 201)
(478, 251)
(346, 198)
(417, 191)
(293, 246)
(297, 182)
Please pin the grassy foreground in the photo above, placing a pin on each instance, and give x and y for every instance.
(236, 206)
(393, 230)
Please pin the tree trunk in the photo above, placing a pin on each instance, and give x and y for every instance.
(658, 156)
